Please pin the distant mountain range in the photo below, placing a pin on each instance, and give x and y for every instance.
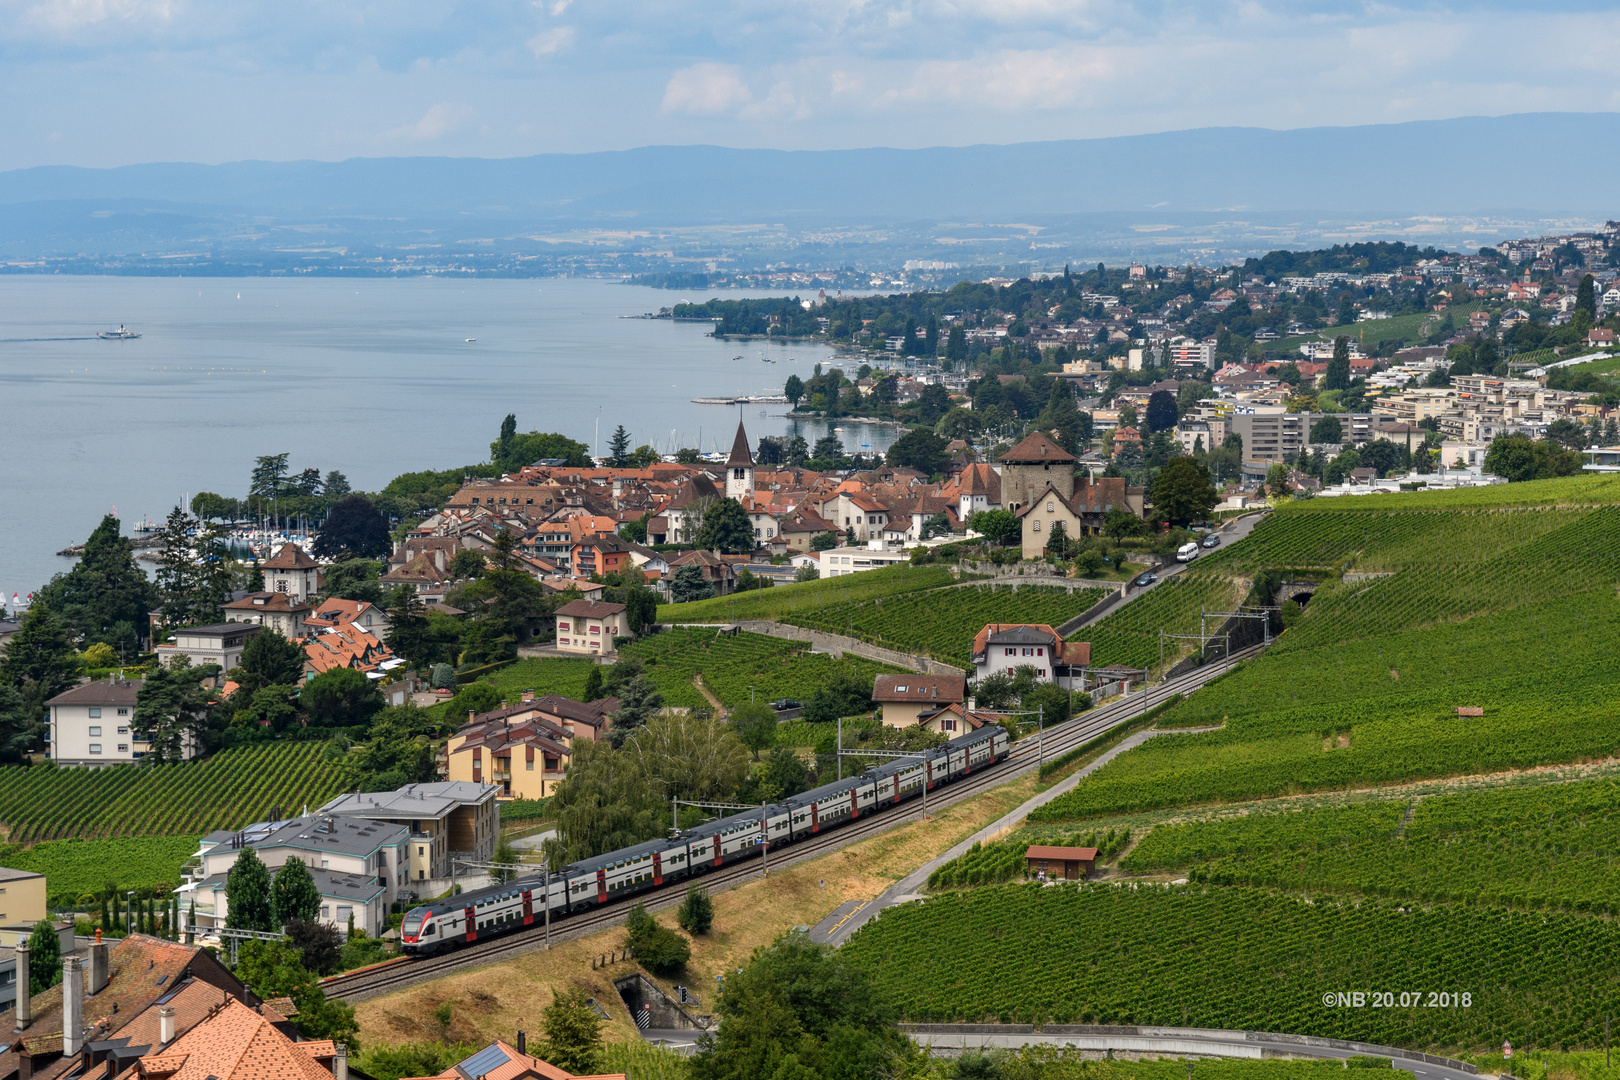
(1531, 166)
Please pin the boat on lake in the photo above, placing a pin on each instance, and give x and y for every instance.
(120, 334)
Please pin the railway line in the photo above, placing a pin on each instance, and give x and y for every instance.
(1025, 756)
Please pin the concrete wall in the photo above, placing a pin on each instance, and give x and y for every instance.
(838, 643)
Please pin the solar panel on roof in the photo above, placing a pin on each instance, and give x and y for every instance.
(490, 1058)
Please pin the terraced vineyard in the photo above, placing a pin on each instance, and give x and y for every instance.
(941, 624)
(227, 791)
(731, 663)
(1130, 635)
(1546, 847)
(76, 868)
(1506, 609)
(782, 600)
(1245, 959)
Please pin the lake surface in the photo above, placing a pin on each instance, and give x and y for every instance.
(373, 378)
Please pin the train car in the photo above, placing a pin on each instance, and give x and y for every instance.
(516, 905)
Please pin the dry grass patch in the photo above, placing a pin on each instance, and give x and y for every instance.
(496, 1000)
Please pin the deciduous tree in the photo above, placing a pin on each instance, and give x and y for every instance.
(726, 528)
(293, 895)
(1182, 491)
(354, 527)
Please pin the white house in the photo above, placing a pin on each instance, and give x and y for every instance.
(91, 725)
(1003, 647)
(589, 626)
(293, 572)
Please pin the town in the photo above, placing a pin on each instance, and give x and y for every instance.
(1157, 554)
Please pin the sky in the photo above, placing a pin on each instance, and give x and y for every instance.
(113, 82)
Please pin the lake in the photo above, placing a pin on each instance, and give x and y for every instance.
(373, 378)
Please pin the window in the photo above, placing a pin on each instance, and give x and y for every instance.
(1037, 526)
(326, 864)
(1040, 651)
(95, 730)
(123, 712)
(529, 765)
(123, 748)
(95, 714)
(344, 912)
(95, 748)
(1048, 506)
(123, 731)
(1011, 652)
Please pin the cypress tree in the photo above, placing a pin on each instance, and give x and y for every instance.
(247, 894)
(293, 895)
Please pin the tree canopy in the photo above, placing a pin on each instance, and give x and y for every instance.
(356, 527)
(726, 528)
(1182, 492)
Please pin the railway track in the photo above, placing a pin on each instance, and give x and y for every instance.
(1026, 755)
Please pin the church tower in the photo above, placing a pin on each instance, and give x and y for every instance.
(740, 467)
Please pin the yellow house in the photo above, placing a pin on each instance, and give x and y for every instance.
(22, 897)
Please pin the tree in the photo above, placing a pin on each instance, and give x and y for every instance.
(247, 895)
(503, 444)
(336, 485)
(829, 448)
(293, 895)
(1161, 411)
(44, 957)
(355, 579)
(1276, 482)
(319, 944)
(619, 448)
(399, 749)
(696, 913)
(603, 804)
(340, 697)
(273, 969)
(793, 390)
(172, 709)
(1381, 455)
(1515, 458)
(1341, 467)
(468, 563)
(1070, 426)
(823, 541)
(799, 1005)
(688, 455)
(38, 664)
(657, 948)
(269, 478)
(573, 1033)
(726, 528)
(689, 584)
(918, 449)
(639, 701)
(755, 723)
(354, 526)
(268, 659)
(518, 451)
(1586, 297)
(997, 526)
(104, 590)
(1327, 430)
(593, 684)
(1337, 375)
(177, 569)
(1568, 434)
(1182, 492)
(504, 853)
(20, 726)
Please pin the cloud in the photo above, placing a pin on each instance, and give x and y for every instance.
(706, 89)
(551, 41)
(63, 16)
(440, 120)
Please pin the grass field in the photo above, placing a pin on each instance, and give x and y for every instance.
(941, 624)
(74, 868)
(226, 791)
(781, 600)
(1485, 605)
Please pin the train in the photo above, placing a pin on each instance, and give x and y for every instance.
(588, 884)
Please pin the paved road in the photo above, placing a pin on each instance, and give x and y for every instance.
(1179, 1041)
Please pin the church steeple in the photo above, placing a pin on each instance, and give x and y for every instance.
(740, 467)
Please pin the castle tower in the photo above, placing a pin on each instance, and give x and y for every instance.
(740, 467)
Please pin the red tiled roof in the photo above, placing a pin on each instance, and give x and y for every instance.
(290, 557)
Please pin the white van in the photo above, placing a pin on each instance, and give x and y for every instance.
(1187, 552)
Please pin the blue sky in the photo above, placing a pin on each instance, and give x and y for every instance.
(111, 82)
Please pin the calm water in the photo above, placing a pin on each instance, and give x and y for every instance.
(371, 378)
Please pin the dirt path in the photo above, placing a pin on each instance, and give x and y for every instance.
(719, 706)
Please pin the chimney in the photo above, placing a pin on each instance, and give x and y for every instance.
(165, 1025)
(528, 696)
(340, 1063)
(72, 1006)
(25, 1012)
(98, 965)
(522, 1042)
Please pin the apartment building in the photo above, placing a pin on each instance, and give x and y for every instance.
(91, 725)
(447, 820)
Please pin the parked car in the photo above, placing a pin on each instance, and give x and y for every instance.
(1187, 552)
(1145, 580)
(785, 704)
(1211, 541)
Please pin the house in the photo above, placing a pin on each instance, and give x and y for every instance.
(538, 733)
(91, 725)
(236, 1042)
(1083, 513)
(443, 818)
(904, 698)
(715, 570)
(1600, 337)
(1002, 647)
(589, 627)
(337, 614)
(1031, 467)
(291, 571)
(107, 1009)
(348, 646)
(216, 643)
(802, 526)
(421, 573)
(359, 866)
(957, 719)
(501, 1061)
(1055, 863)
(977, 487)
(842, 561)
(281, 612)
(22, 897)
(601, 555)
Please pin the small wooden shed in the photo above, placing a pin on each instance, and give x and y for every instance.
(1068, 863)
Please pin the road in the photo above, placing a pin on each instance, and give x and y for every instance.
(953, 1038)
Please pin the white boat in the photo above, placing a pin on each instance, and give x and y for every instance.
(120, 334)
